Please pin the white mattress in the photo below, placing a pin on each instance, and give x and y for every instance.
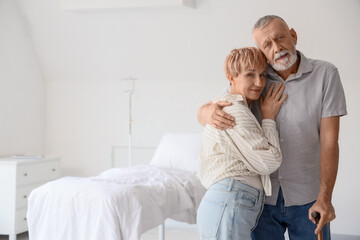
(120, 203)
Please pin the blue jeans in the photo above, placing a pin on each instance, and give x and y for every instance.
(229, 210)
(275, 219)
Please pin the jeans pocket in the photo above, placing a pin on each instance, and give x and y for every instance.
(246, 200)
(260, 212)
(209, 218)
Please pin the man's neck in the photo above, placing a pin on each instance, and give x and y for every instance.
(293, 69)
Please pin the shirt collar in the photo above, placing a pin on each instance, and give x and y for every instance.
(304, 67)
(236, 98)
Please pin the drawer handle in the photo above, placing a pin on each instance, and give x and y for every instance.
(25, 219)
(53, 169)
(25, 174)
(25, 196)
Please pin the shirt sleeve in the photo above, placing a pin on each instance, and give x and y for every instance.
(333, 102)
(269, 128)
(259, 146)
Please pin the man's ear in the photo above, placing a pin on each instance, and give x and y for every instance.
(293, 35)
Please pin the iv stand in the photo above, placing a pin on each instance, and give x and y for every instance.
(131, 93)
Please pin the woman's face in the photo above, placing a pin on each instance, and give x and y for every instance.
(250, 83)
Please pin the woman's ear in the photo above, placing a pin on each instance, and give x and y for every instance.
(231, 79)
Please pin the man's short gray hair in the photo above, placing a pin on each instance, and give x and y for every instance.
(262, 22)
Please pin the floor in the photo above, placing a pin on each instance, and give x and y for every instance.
(178, 234)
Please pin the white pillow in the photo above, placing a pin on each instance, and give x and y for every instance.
(178, 150)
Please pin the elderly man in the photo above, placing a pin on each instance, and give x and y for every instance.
(308, 126)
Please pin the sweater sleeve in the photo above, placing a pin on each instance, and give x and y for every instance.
(269, 128)
(259, 146)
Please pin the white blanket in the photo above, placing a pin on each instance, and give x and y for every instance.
(120, 203)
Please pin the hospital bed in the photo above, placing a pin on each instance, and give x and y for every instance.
(121, 203)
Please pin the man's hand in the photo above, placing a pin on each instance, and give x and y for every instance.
(327, 213)
(212, 113)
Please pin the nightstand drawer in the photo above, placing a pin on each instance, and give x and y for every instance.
(21, 221)
(23, 193)
(39, 172)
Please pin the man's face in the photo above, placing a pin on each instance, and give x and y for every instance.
(277, 43)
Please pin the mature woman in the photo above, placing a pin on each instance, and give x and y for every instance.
(235, 163)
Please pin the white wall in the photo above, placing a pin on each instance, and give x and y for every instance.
(177, 55)
(22, 89)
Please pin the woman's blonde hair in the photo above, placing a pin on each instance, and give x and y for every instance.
(243, 58)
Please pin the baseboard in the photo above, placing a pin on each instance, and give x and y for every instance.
(169, 223)
(344, 237)
(336, 237)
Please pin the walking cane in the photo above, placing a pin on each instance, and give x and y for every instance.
(316, 216)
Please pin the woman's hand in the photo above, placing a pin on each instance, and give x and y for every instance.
(270, 105)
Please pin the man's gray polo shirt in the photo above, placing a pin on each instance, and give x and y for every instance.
(314, 92)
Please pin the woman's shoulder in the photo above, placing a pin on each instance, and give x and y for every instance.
(239, 110)
(233, 98)
(239, 107)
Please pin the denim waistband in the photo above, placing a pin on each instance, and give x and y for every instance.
(230, 184)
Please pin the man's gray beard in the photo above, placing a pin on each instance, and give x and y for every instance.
(290, 61)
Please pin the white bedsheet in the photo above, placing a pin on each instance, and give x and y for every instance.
(120, 203)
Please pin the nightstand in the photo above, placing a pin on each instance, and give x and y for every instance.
(18, 177)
